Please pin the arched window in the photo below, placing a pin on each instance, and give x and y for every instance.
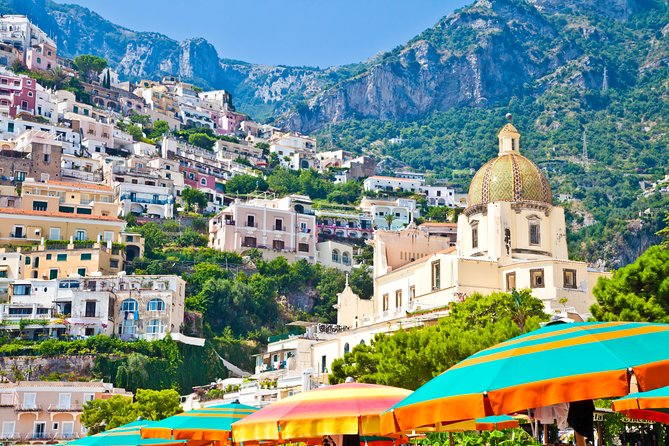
(475, 235)
(362, 342)
(156, 305)
(535, 231)
(129, 305)
(203, 181)
(335, 256)
(345, 258)
(346, 348)
(155, 327)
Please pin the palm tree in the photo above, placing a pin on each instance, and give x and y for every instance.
(389, 220)
(58, 78)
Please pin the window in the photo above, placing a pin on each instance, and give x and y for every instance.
(345, 258)
(108, 236)
(569, 278)
(47, 158)
(49, 256)
(80, 235)
(86, 256)
(475, 235)
(8, 427)
(535, 233)
(129, 305)
(86, 211)
(113, 263)
(303, 247)
(412, 293)
(510, 281)
(156, 305)
(537, 278)
(251, 221)
(39, 205)
(347, 348)
(203, 181)
(21, 290)
(155, 327)
(128, 327)
(53, 273)
(335, 256)
(278, 224)
(249, 242)
(61, 257)
(385, 302)
(66, 209)
(81, 272)
(398, 299)
(436, 275)
(54, 233)
(20, 175)
(277, 244)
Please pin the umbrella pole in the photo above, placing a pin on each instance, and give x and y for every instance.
(450, 439)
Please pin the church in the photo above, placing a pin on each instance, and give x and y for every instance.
(510, 236)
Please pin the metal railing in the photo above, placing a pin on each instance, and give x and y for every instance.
(143, 200)
(65, 408)
(22, 407)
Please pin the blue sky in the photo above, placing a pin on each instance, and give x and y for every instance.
(289, 32)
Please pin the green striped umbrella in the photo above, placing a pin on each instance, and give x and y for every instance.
(555, 364)
(208, 423)
(126, 435)
(652, 405)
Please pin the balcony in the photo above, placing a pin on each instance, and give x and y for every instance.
(135, 199)
(28, 407)
(251, 225)
(65, 408)
(14, 235)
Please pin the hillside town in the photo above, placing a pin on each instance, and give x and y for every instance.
(91, 164)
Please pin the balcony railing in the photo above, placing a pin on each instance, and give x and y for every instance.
(28, 407)
(14, 235)
(65, 408)
(144, 200)
(251, 225)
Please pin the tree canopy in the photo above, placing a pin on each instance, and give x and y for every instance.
(194, 199)
(410, 358)
(90, 66)
(636, 292)
(101, 415)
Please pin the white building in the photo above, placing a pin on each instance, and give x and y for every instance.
(392, 184)
(390, 214)
(20, 32)
(294, 151)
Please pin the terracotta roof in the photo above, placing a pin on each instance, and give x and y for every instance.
(59, 214)
(82, 185)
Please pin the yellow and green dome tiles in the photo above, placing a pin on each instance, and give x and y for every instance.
(509, 177)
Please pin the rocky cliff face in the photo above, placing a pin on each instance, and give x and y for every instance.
(484, 53)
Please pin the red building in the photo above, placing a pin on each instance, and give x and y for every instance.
(17, 94)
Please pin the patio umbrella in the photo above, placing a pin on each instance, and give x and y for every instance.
(208, 423)
(554, 364)
(652, 405)
(344, 409)
(126, 435)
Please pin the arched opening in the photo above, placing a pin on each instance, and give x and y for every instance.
(335, 255)
(156, 304)
(347, 348)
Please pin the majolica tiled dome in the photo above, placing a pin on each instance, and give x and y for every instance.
(509, 177)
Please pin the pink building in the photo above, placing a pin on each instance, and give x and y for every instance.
(229, 122)
(17, 94)
(42, 57)
(47, 411)
(283, 227)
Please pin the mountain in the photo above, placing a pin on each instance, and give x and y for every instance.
(586, 81)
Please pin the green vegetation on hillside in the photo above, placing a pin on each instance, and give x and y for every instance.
(410, 358)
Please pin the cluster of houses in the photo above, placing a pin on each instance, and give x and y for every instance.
(69, 174)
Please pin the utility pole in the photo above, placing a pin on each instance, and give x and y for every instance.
(605, 81)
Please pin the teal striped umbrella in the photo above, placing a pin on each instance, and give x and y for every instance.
(555, 364)
(126, 435)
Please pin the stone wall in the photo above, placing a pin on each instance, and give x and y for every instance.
(35, 368)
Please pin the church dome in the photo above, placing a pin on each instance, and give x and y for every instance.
(509, 177)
